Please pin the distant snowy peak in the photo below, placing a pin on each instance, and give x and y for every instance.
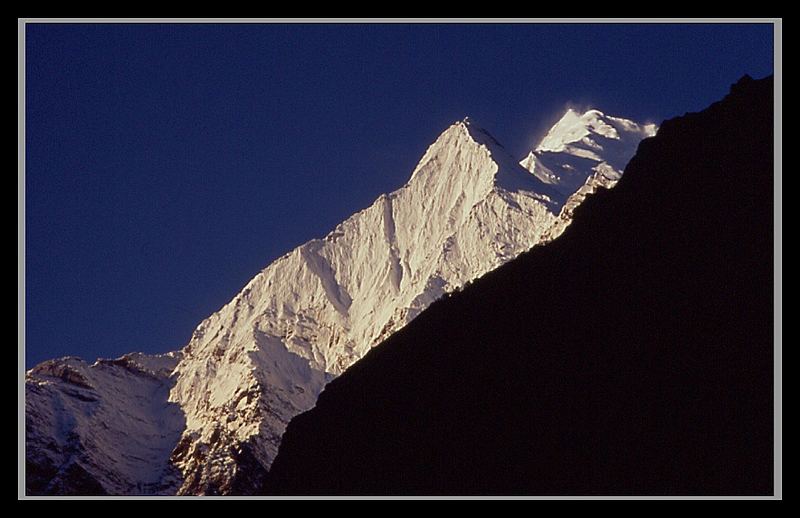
(588, 130)
(574, 127)
(580, 146)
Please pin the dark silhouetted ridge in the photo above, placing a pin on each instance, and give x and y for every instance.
(633, 355)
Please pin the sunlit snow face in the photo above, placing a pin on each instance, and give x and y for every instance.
(580, 146)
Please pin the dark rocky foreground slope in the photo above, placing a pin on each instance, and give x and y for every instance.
(634, 355)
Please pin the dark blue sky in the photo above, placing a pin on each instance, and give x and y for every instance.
(167, 164)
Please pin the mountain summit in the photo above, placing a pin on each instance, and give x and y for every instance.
(209, 418)
(580, 142)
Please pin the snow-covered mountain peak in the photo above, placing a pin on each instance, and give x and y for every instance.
(582, 145)
(468, 128)
(467, 160)
(575, 127)
(591, 129)
(462, 140)
(209, 418)
(483, 137)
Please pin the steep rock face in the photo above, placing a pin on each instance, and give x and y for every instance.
(265, 356)
(633, 355)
